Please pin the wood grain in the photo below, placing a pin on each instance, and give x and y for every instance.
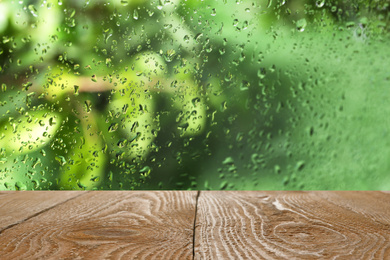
(17, 206)
(293, 225)
(108, 225)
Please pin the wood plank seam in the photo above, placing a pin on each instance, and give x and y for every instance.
(193, 230)
(39, 213)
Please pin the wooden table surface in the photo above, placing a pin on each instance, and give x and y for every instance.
(195, 225)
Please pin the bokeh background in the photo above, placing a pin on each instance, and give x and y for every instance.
(192, 94)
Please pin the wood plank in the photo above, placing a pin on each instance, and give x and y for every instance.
(108, 224)
(17, 206)
(293, 225)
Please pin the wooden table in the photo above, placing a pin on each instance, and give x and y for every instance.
(193, 224)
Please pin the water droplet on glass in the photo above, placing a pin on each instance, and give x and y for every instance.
(95, 179)
(33, 10)
(301, 24)
(198, 36)
(244, 85)
(145, 171)
(76, 90)
(223, 185)
(320, 3)
(228, 161)
(186, 38)
(20, 186)
(121, 143)
(88, 106)
(61, 160)
(135, 14)
(113, 127)
(300, 165)
(169, 55)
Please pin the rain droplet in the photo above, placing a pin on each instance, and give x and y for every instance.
(20, 186)
(170, 54)
(320, 3)
(33, 10)
(36, 162)
(195, 101)
(124, 2)
(81, 186)
(113, 127)
(223, 106)
(228, 161)
(3, 160)
(277, 169)
(88, 106)
(76, 90)
(300, 165)
(145, 171)
(350, 24)
(61, 160)
(95, 179)
(301, 24)
(245, 26)
(198, 36)
(135, 14)
(244, 85)
(122, 143)
(223, 185)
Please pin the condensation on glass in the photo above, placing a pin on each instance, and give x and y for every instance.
(187, 94)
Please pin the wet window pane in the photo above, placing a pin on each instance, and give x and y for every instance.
(194, 94)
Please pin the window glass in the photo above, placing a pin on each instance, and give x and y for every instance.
(187, 94)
